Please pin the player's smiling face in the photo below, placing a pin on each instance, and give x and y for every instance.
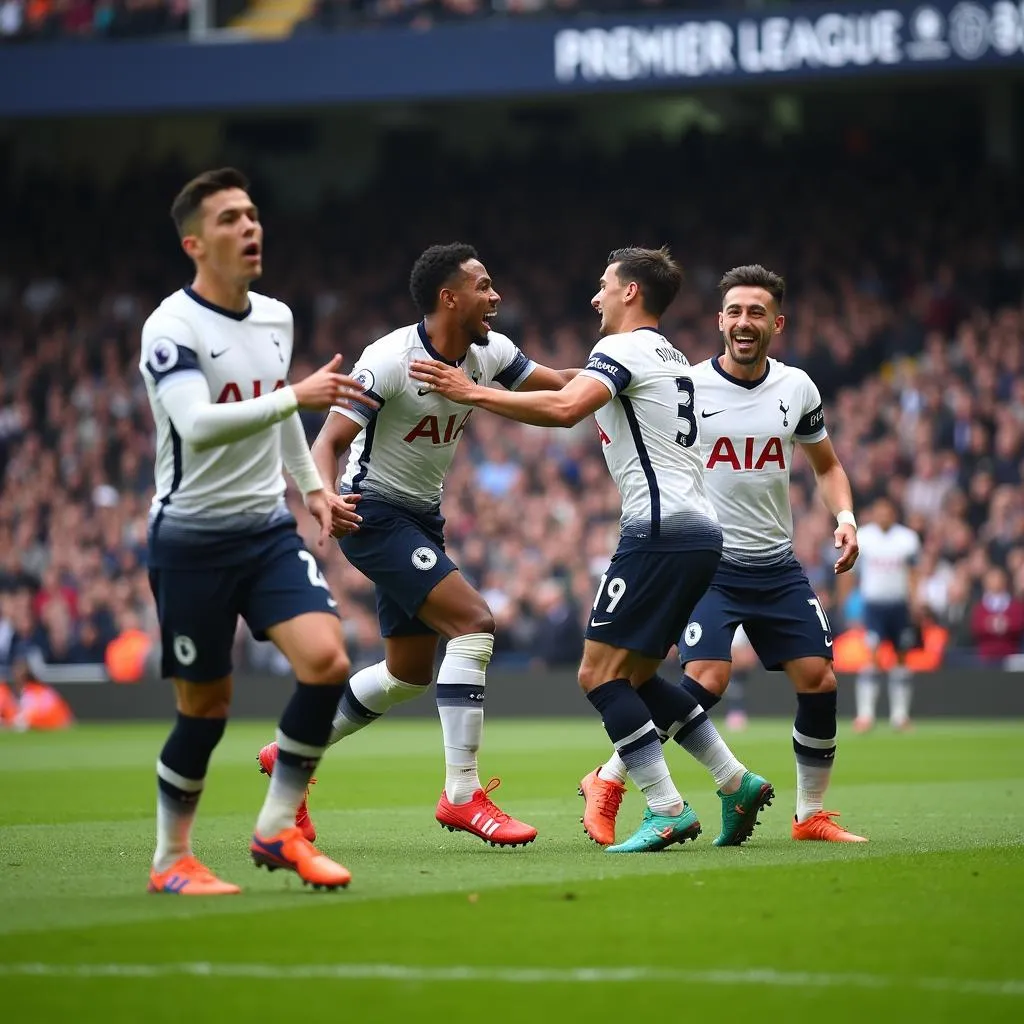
(228, 236)
(474, 299)
(748, 320)
(610, 300)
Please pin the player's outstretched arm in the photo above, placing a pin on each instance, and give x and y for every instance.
(545, 378)
(204, 424)
(577, 400)
(834, 488)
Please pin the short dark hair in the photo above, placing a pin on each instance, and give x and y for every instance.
(754, 276)
(434, 269)
(658, 276)
(188, 201)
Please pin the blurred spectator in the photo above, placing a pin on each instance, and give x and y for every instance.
(916, 341)
(997, 620)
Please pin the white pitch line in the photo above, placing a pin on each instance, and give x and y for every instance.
(515, 975)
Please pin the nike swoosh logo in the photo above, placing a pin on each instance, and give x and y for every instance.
(705, 415)
(423, 391)
(217, 355)
(828, 642)
(594, 622)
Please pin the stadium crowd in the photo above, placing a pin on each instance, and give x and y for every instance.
(118, 19)
(905, 307)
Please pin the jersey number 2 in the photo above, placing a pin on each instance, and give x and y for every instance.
(685, 438)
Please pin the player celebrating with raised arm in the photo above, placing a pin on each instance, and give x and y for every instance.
(642, 393)
(222, 542)
(754, 410)
(401, 449)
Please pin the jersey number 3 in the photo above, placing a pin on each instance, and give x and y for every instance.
(685, 438)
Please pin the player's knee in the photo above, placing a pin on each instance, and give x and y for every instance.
(713, 676)
(328, 664)
(589, 678)
(476, 620)
(821, 681)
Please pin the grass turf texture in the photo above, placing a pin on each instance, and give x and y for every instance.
(923, 922)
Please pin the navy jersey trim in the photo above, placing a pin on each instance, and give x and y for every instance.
(653, 330)
(645, 463)
(811, 423)
(230, 313)
(167, 357)
(610, 369)
(176, 476)
(515, 369)
(749, 385)
(365, 410)
(364, 457)
(421, 330)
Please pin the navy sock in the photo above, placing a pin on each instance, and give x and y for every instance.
(186, 754)
(705, 698)
(180, 772)
(306, 725)
(628, 724)
(814, 729)
(673, 707)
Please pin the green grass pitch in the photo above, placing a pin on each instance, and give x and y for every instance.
(925, 922)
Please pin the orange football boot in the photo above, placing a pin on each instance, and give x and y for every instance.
(482, 817)
(821, 826)
(290, 850)
(188, 877)
(602, 797)
(266, 759)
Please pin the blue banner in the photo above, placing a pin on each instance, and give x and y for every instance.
(509, 58)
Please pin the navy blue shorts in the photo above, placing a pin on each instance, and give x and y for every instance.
(267, 578)
(777, 609)
(403, 553)
(890, 621)
(646, 597)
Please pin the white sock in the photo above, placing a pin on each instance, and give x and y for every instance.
(866, 690)
(613, 770)
(811, 783)
(174, 819)
(287, 787)
(706, 745)
(370, 692)
(460, 705)
(900, 692)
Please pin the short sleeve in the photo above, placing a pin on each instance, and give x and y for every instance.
(169, 352)
(513, 366)
(380, 372)
(607, 363)
(811, 427)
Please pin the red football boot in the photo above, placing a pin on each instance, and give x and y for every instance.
(481, 817)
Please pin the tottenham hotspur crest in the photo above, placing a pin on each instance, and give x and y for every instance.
(784, 409)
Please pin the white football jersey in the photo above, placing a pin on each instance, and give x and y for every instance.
(409, 442)
(240, 356)
(748, 431)
(651, 439)
(884, 563)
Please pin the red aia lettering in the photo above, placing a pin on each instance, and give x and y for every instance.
(605, 439)
(724, 451)
(232, 392)
(429, 427)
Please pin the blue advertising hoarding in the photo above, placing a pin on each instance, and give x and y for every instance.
(512, 58)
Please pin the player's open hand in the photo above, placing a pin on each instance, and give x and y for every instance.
(846, 539)
(327, 387)
(344, 517)
(318, 504)
(446, 380)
